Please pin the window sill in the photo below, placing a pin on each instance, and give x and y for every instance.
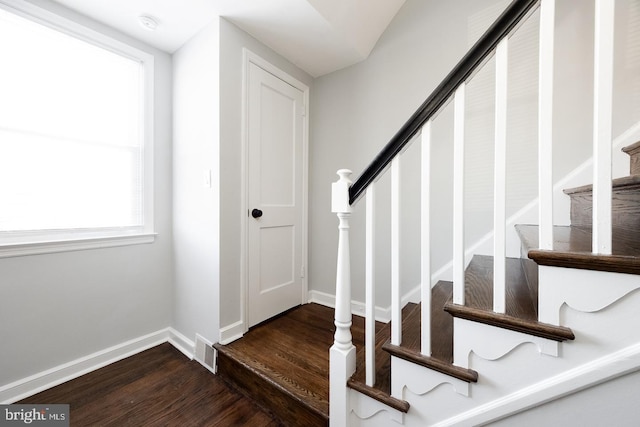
(37, 248)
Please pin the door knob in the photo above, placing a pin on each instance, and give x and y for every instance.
(256, 213)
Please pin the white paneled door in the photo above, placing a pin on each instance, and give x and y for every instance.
(275, 195)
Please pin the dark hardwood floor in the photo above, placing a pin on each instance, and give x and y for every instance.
(158, 387)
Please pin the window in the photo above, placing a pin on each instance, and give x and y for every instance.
(75, 138)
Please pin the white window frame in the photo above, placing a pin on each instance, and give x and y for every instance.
(47, 241)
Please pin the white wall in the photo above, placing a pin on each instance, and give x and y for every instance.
(356, 111)
(56, 308)
(196, 207)
(232, 41)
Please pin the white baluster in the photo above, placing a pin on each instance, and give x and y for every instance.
(545, 123)
(458, 195)
(602, 125)
(342, 356)
(370, 301)
(396, 307)
(425, 241)
(500, 179)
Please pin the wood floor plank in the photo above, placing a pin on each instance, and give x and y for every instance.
(158, 387)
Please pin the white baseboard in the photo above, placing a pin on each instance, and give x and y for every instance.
(182, 343)
(36, 383)
(357, 307)
(231, 332)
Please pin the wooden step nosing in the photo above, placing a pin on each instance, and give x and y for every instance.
(264, 378)
(464, 374)
(586, 261)
(538, 329)
(379, 395)
(631, 149)
(631, 182)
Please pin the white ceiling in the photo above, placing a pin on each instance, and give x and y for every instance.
(319, 36)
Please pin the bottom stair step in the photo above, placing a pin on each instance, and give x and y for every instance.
(270, 395)
(283, 365)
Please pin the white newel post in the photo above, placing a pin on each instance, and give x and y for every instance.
(342, 356)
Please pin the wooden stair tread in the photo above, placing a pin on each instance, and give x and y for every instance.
(531, 327)
(381, 390)
(625, 201)
(441, 324)
(572, 249)
(379, 395)
(383, 361)
(479, 287)
(520, 313)
(434, 363)
(441, 359)
(625, 182)
(629, 149)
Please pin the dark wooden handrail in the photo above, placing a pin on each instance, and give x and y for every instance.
(476, 56)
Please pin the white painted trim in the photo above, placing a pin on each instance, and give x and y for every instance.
(602, 126)
(37, 248)
(357, 307)
(500, 178)
(425, 239)
(182, 343)
(232, 332)
(620, 363)
(545, 123)
(396, 305)
(370, 293)
(46, 17)
(36, 383)
(458, 194)
(248, 57)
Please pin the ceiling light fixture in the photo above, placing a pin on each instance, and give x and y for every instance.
(147, 22)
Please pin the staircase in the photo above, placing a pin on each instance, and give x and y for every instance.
(501, 333)
(572, 249)
(571, 288)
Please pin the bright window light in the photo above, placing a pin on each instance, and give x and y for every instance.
(72, 126)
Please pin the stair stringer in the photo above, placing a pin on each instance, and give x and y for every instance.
(583, 290)
(364, 407)
(421, 380)
(607, 345)
(492, 343)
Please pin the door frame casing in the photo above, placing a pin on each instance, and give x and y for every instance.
(249, 57)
